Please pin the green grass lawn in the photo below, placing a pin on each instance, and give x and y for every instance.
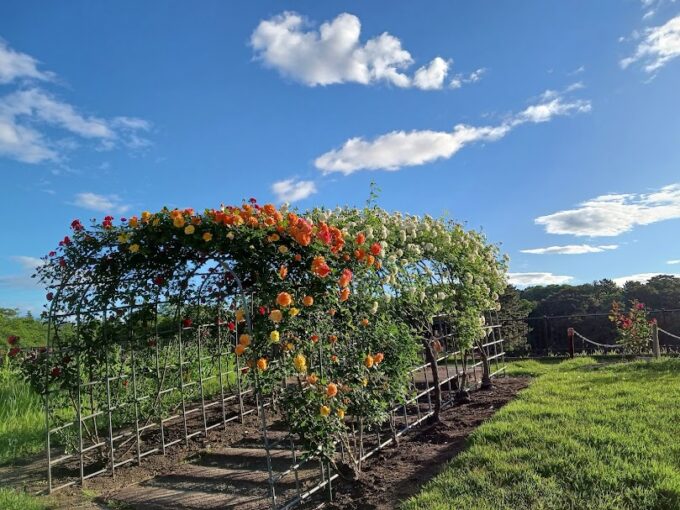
(582, 436)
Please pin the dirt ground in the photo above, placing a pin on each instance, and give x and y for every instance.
(397, 473)
(390, 476)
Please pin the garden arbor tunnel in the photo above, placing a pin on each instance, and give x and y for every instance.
(165, 329)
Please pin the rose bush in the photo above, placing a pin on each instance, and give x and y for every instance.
(634, 329)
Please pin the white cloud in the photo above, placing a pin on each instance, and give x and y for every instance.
(15, 65)
(28, 263)
(658, 46)
(102, 203)
(431, 76)
(529, 279)
(571, 249)
(24, 111)
(674, 261)
(614, 214)
(335, 54)
(290, 190)
(398, 149)
(640, 277)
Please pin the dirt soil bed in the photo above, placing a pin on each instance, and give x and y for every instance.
(397, 473)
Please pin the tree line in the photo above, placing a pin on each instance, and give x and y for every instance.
(536, 319)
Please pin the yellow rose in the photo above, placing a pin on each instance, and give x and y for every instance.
(145, 216)
(230, 235)
(123, 238)
(178, 221)
(134, 248)
(283, 249)
(207, 236)
(156, 222)
(294, 311)
(275, 337)
(300, 363)
(189, 229)
(324, 411)
(341, 413)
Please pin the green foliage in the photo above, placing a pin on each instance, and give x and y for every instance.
(32, 332)
(22, 416)
(582, 436)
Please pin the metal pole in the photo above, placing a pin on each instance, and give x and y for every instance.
(655, 340)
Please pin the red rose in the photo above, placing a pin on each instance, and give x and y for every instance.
(231, 326)
(12, 339)
(262, 310)
(151, 343)
(13, 352)
(187, 323)
(159, 280)
(56, 372)
(376, 249)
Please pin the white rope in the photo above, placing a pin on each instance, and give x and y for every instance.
(607, 346)
(669, 334)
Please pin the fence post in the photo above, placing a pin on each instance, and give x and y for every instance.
(655, 340)
(570, 336)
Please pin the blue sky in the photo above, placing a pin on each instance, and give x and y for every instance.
(547, 124)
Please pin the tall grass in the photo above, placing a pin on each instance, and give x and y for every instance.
(22, 417)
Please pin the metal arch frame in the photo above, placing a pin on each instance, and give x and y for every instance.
(110, 407)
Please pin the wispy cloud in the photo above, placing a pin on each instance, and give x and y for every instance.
(571, 249)
(399, 149)
(15, 65)
(529, 279)
(291, 190)
(23, 112)
(640, 277)
(335, 53)
(674, 261)
(614, 214)
(37, 127)
(28, 263)
(462, 79)
(658, 46)
(103, 203)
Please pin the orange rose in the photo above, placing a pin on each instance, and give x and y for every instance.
(262, 364)
(240, 349)
(283, 272)
(332, 338)
(344, 294)
(361, 238)
(298, 257)
(368, 361)
(308, 301)
(312, 379)
(364, 322)
(244, 340)
(331, 390)
(284, 299)
(378, 357)
(376, 249)
(276, 316)
(314, 338)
